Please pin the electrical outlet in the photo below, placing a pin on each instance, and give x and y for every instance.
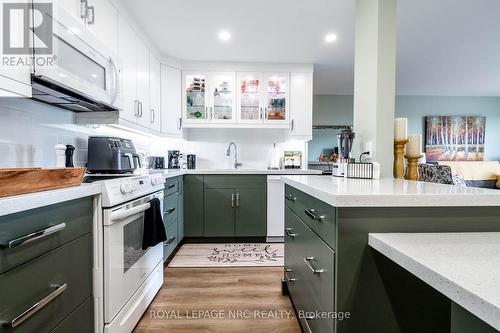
(369, 149)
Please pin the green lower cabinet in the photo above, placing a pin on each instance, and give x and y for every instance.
(220, 213)
(180, 214)
(79, 321)
(311, 264)
(251, 212)
(62, 277)
(193, 202)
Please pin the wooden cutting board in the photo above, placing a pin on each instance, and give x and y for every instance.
(15, 181)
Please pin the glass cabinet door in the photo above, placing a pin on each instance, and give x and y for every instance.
(276, 97)
(249, 97)
(222, 93)
(195, 97)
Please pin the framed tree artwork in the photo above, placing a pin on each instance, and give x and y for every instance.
(454, 138)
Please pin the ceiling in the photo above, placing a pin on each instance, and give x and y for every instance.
(445, 47)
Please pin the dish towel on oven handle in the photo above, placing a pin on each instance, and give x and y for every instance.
(154, 230)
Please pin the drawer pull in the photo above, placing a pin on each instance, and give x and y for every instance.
(37, 306)
(33, 236)
(290, 197)
(312, 214)
(170, 240)
(291, 280)
(288, 270)
(170, 186)
(289, 233)
(170, 210)
(314, 270)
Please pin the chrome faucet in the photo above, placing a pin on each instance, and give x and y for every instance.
(236, 164)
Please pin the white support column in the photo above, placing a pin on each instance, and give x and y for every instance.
(375, 79)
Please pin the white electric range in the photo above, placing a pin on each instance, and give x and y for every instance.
(130, 276)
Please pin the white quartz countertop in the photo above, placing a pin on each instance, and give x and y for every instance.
(252, 172)
(19, 203)
(465, 267)
(174, 173)
(343, 192)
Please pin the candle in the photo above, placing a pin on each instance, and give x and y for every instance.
(414, 147)
(400, 129)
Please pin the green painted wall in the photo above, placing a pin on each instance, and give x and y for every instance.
(338, 109)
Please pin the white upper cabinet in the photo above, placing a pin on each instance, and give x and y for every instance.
(250, 106)
(127, 41)
(171, 106)
(102, 21)
(76, 8)
(194, 97)
(154, 93)
(222, 97)
(276, 97)
(263, 97)
(301, 105)
(100, 17)
(209, 97)
(15, 80)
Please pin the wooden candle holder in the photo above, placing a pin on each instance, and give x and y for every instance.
(399, 162)
(413, 166)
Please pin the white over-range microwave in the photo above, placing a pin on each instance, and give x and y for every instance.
(77, 73)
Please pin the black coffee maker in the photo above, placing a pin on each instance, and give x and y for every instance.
(174, 159)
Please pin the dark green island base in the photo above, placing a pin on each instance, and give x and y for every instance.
(329, 267)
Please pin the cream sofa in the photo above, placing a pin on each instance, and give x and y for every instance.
(475, 173)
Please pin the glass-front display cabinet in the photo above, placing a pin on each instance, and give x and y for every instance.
(195, 106)
(276, 98)
(222, 97)
(263, 97)
(250, 107)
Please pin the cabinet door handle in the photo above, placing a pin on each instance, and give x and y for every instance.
(237, 200)
(289, 233)
(312, 214)
(37, 306)
(170, 210)
(290, 197)
(206, 112)
(180, 124)
(170, 186)
(232, 200)
(140, 108)
(83, 8)
(153, 115)
(266, 114)
(292, 125)
(136, 108)
(170, 240)
(33, 236)
(314, 270)
(260, 113)
(91, 10)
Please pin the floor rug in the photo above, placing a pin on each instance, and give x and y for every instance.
(229, 255)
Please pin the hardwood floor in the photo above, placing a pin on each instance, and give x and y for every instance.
(220, 300)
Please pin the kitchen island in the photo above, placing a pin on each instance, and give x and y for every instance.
(337, 282)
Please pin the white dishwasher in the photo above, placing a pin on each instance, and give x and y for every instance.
(275, 209)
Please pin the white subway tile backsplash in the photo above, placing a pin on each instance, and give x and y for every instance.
(29, 131)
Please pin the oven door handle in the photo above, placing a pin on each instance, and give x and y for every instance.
(120, 215)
